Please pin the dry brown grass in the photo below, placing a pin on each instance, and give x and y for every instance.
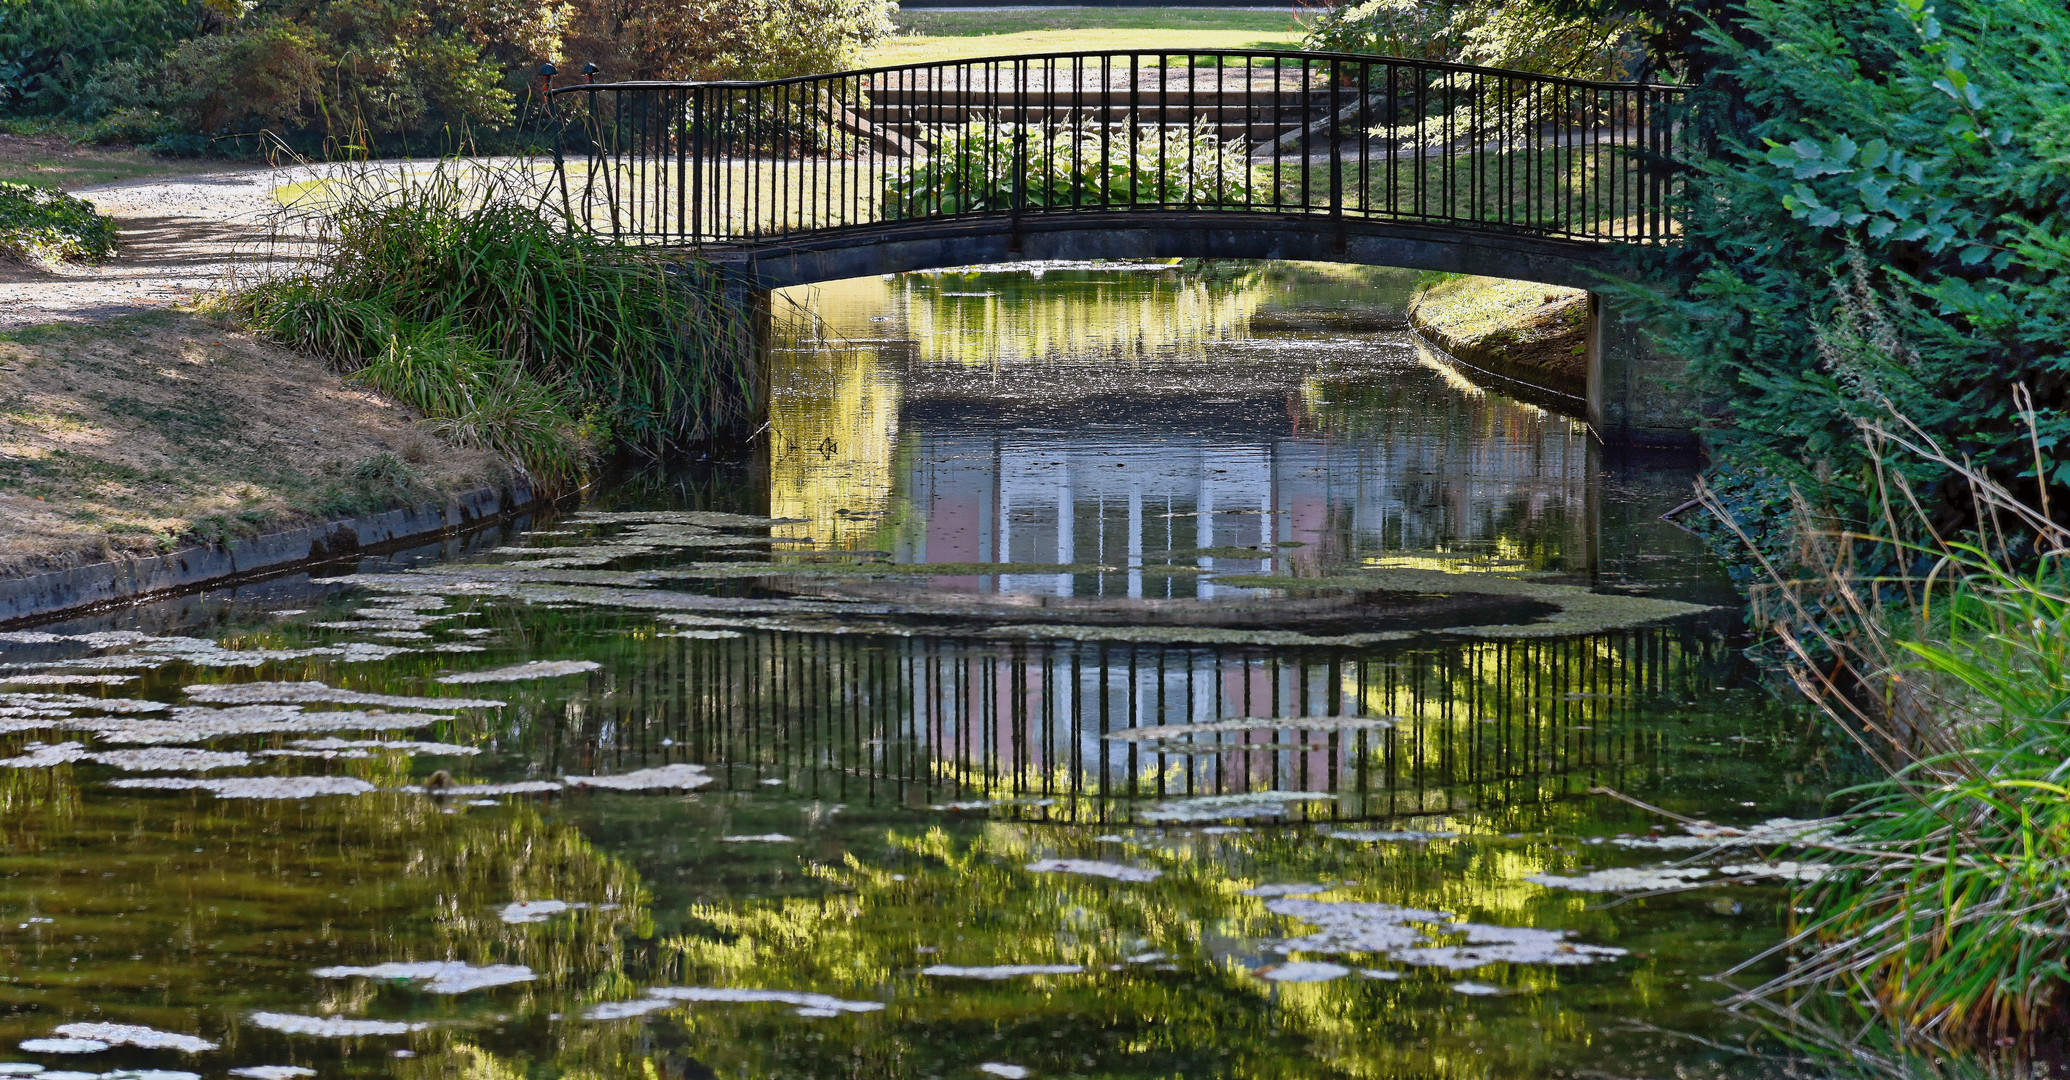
(138, 434)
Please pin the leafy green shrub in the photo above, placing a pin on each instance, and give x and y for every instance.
(1894, 148)
(986, 165)
(43, 223)
(267, 72)
(454, 291)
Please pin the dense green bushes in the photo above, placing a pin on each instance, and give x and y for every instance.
(987, 165)
(454, 293)
(1872, 295)
(343, 71)
(1889, 147)
(50, 48)
(43, 224)
(381, 76)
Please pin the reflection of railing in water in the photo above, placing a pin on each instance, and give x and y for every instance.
(926, 719)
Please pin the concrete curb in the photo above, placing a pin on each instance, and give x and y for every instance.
(131, 579)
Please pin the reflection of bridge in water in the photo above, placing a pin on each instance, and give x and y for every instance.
(1211, 154)
(1143, 473)
(1057, 730)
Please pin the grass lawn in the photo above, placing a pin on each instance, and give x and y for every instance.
(950, 34)
(51, 161)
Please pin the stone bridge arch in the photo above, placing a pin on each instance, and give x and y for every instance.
(1218, 154)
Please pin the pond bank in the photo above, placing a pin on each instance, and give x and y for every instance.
(161, 451)
(1532, 334)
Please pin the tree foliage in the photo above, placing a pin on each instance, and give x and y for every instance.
(344, 72)
(49, 48)
(1889, 149)
(725, 39)
(1526, 35)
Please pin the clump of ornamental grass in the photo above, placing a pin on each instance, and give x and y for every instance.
(465, 293)
(1941, 933)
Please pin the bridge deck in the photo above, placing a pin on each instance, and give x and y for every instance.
(1195, 132)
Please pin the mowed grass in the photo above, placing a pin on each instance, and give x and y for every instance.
(950, 34)
(49, 160)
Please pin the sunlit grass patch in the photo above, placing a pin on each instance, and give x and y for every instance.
(949, 34)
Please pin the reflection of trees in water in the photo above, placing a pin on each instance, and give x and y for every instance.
(1071, 351)
(1086, 313)
(833, 445)
(940, 898)
(188, 912)
(1068, 316)
(1483, 475)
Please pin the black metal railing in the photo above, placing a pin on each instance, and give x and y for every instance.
(1336, 135)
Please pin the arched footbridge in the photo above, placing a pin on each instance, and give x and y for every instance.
(1154, 154)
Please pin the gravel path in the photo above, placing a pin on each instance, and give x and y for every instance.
(181, 239)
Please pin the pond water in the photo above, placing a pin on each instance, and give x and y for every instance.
(1104, 671)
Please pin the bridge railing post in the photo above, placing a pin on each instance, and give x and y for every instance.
(1336, 77)
(1019, 164)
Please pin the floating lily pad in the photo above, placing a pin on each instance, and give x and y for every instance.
(255, 787)
(1094, 868)
(1624, 879)
(537, 669)
(438, 977)
(333, 1027)
(135, 1035)
(1253, 804)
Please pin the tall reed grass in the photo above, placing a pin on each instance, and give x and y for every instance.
(1939, 940)
(463, 292)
